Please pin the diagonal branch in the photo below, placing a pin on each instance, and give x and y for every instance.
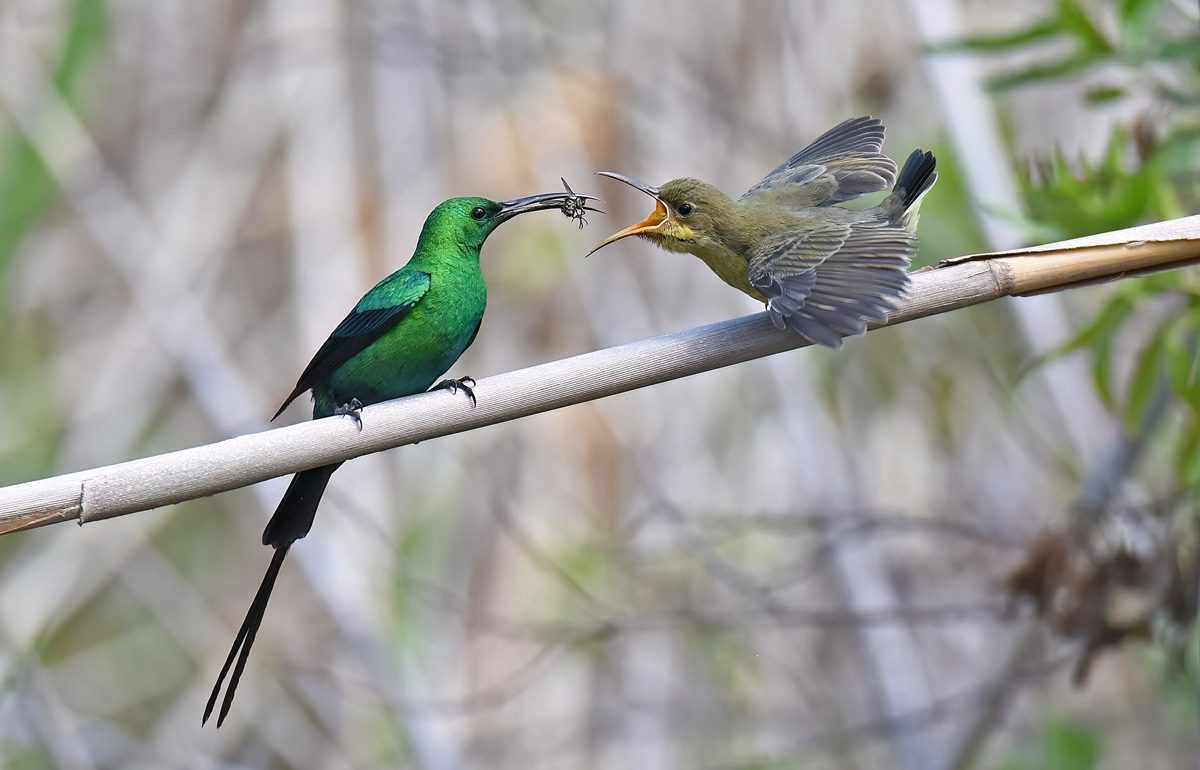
(205, 470)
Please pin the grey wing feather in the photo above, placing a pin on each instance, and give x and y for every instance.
(830, 282)
(843, 163)
(783, 266)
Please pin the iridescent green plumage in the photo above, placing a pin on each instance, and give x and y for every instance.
(408, 330)
(400, 337)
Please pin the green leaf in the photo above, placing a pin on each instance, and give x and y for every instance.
(1132, 10)
(1102, 370)
(1181, 357)
(1069, 746)
(1110, 161)
(1179, 48)
(1147, 374)
(1102, 328)
(1041, 30)
(1187, 454)
(1089, 197)
(1099, 338)
(1076, 21)
(1136, 18)
(587, 563)
(1050, 71)
(1101, 94)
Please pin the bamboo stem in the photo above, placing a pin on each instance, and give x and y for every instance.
(187, 474)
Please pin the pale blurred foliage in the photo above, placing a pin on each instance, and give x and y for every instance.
(791, 563)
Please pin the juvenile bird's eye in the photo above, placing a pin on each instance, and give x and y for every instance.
(478, 213)
(685, 209)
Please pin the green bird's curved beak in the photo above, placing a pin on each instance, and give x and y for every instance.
(568, 202)
(650, 224)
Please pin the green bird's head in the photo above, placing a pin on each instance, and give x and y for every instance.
(688, 215)
(469, 221)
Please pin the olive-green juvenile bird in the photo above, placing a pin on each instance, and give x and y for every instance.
(822, 270)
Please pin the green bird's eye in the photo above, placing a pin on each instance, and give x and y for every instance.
(685, 209)
(478, 213)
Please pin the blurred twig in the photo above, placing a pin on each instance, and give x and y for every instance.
(156, 249)
(923, 718)
(1097, 494)
(888, 655)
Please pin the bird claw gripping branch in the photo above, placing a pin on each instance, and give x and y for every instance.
(353, 410)
(575, 206)
(465, 384)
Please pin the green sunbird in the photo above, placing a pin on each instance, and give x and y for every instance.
(400, 337)
(822, 270)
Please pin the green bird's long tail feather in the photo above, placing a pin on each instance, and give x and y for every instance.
(292, 520)
(294, 516)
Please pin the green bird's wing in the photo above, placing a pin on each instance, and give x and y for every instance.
(828, 280)
(843, 163)
(376, 313)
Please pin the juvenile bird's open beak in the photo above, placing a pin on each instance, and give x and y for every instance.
(559, 200)
(650, 224)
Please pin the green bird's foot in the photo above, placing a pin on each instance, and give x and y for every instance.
(353, 410)
(465, 384)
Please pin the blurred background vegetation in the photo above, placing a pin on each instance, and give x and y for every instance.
(969, 542)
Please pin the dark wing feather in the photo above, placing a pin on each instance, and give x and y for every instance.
(829, 281)
(376, 313)
(843, 163)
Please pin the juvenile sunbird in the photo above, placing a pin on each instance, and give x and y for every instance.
(822, 270)
(400, 337)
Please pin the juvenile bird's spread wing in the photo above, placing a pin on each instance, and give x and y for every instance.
(843, 163)
(376, 313)
(830, 280)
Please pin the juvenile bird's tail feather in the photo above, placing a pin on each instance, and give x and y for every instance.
(916, 179)
(292, 520)
(861, 280)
